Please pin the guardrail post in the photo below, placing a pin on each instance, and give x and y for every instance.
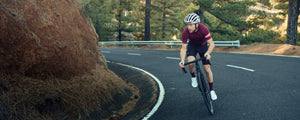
(150, 46)
(132, 45)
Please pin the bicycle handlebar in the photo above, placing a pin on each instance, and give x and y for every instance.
(194, 61)
(183, 69)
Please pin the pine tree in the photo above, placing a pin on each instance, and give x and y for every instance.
(283, 5)
(228, 11)
(293, 14)
(126, 17)
(290, 8)
(147, 20)
(101, 15)
(139, 14)
(265, 2)
(165, 17)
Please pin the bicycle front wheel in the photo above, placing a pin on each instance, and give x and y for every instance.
(205, 93)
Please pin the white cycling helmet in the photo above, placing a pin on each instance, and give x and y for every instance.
(192, 18)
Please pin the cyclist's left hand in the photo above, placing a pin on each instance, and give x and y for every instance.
(207, 56)
(181, 64)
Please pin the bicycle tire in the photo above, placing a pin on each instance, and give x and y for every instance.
(205, 93)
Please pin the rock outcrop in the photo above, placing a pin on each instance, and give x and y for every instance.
(48, 37)
(51, 66)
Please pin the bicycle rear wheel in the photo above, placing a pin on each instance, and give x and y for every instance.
(205, 93)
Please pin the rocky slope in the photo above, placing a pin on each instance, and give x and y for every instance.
(51, 67)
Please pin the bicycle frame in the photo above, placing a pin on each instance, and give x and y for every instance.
(199, 74)
(202, 85)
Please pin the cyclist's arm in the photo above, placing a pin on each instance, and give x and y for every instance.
(210, 48)
(183, 52)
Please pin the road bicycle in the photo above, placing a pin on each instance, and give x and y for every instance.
(202, 85)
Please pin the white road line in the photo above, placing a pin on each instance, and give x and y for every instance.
(266, 54)
(161, 91)
(174, 58)
(134, 54)
(233, 66)
(105, 52)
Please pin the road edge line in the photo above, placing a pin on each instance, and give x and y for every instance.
(161, 91)
(239, 67)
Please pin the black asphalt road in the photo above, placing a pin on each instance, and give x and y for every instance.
(249, 87)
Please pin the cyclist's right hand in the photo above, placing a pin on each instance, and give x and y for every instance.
(181, 64)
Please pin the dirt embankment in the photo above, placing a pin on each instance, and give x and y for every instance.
(51, 67)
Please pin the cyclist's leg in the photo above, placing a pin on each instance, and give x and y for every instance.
(206, 64)
(209, 78)
(191, 53)
(191, 66)
(209, 74)
(207, 69)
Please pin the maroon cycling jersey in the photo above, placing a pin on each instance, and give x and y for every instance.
(199, 37)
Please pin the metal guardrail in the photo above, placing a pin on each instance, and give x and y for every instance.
(233, 44)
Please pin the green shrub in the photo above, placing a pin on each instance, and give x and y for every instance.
(265, 2)
(226, 37)
(260, 36)
(279, 40)
(298, 39)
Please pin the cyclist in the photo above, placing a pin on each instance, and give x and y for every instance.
(198, 36)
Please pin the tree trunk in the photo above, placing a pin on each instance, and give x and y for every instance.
(120, 29)
(147, 20)
(200, 12)
(164, 20)
(293, 13)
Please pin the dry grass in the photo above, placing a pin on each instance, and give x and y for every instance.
(28, 98)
